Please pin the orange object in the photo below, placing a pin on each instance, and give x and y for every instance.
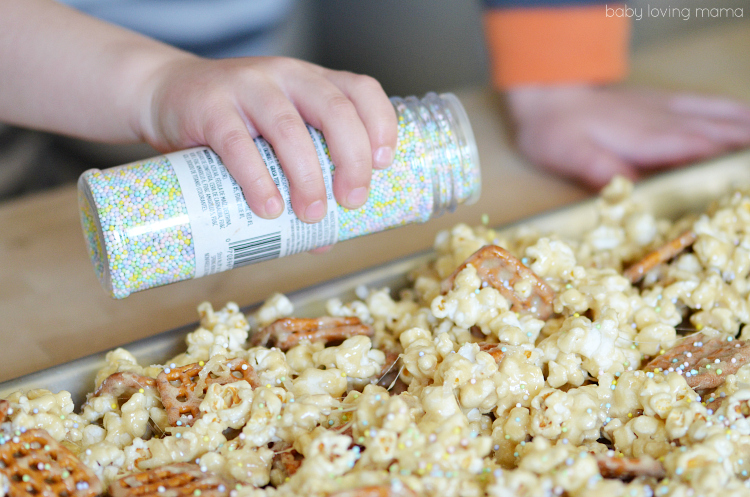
(556, 45)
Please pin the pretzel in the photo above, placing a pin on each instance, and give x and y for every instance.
(493, 349)
(628, 468)
(286, 459)
(186, 397)
(173, 480)
(35, 464)
(376, 491)
(664, 253)
(124, 384)
(742, 407)
(285, 333)
(4, 407)
(501, 270)
(698, 360)
(389, 373)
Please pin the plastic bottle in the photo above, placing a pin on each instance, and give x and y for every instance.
(181, 215)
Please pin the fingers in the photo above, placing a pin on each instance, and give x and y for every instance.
(721, 123)
(681, 140)
(354, 115)
(722, 132)
(224, 104)
(279, 122)
(326, 108)
(321, 250)
(594, 134)
(229, 137)
(575, 155)
(358, 122)
(375, 110)
(671, 146)
(710, 107)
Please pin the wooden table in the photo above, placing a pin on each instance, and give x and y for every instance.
(52, 308)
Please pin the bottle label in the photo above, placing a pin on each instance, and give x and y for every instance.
(226, 233)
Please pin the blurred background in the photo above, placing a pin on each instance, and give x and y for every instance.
(411, 46)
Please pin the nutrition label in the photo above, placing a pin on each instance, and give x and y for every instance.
(226, 233)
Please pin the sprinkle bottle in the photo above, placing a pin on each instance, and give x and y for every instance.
(181, 215)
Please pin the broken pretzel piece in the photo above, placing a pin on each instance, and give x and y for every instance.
(389, 373)
(664, 253)
(716, 403)
(173, 480)
(705, 363)
(124, 384)
(500, 269)
(742, 407)
(286, 459)
(285, 333)
(184, 397)
(35, 464)
(4, 407)
(493, 349)
(628, 468)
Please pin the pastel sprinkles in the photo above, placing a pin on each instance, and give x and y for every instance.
(145, 238)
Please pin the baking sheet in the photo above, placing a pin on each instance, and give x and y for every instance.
(668, 195)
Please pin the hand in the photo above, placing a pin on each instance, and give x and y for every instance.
(137, 88)
(224, 104)
(592, 134)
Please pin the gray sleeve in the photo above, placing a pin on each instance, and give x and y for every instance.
(213, 28)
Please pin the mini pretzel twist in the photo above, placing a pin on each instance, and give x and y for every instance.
(35, 464)
(285, 333)
(501, 270)
(185, 398)
(173, 480)
(124, 384)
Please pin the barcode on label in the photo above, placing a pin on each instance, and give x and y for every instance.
(256, 249)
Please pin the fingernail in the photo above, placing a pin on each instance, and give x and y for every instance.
(315, 211)
(357, 197)
(383, 157)
(273, 206)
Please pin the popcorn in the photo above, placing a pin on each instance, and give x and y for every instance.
(355, 357)
(276, 307)
(613, 394)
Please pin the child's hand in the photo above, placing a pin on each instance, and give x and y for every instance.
(591, 134)
(224, 104)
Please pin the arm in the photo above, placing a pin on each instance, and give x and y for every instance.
(69, 73)
(72, 74)
(557, 62)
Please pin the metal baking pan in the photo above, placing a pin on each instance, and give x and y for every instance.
(668, 195)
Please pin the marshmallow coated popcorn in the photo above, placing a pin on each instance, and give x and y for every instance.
(457, 392)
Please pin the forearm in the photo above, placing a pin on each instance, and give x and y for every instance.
(69, 73)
